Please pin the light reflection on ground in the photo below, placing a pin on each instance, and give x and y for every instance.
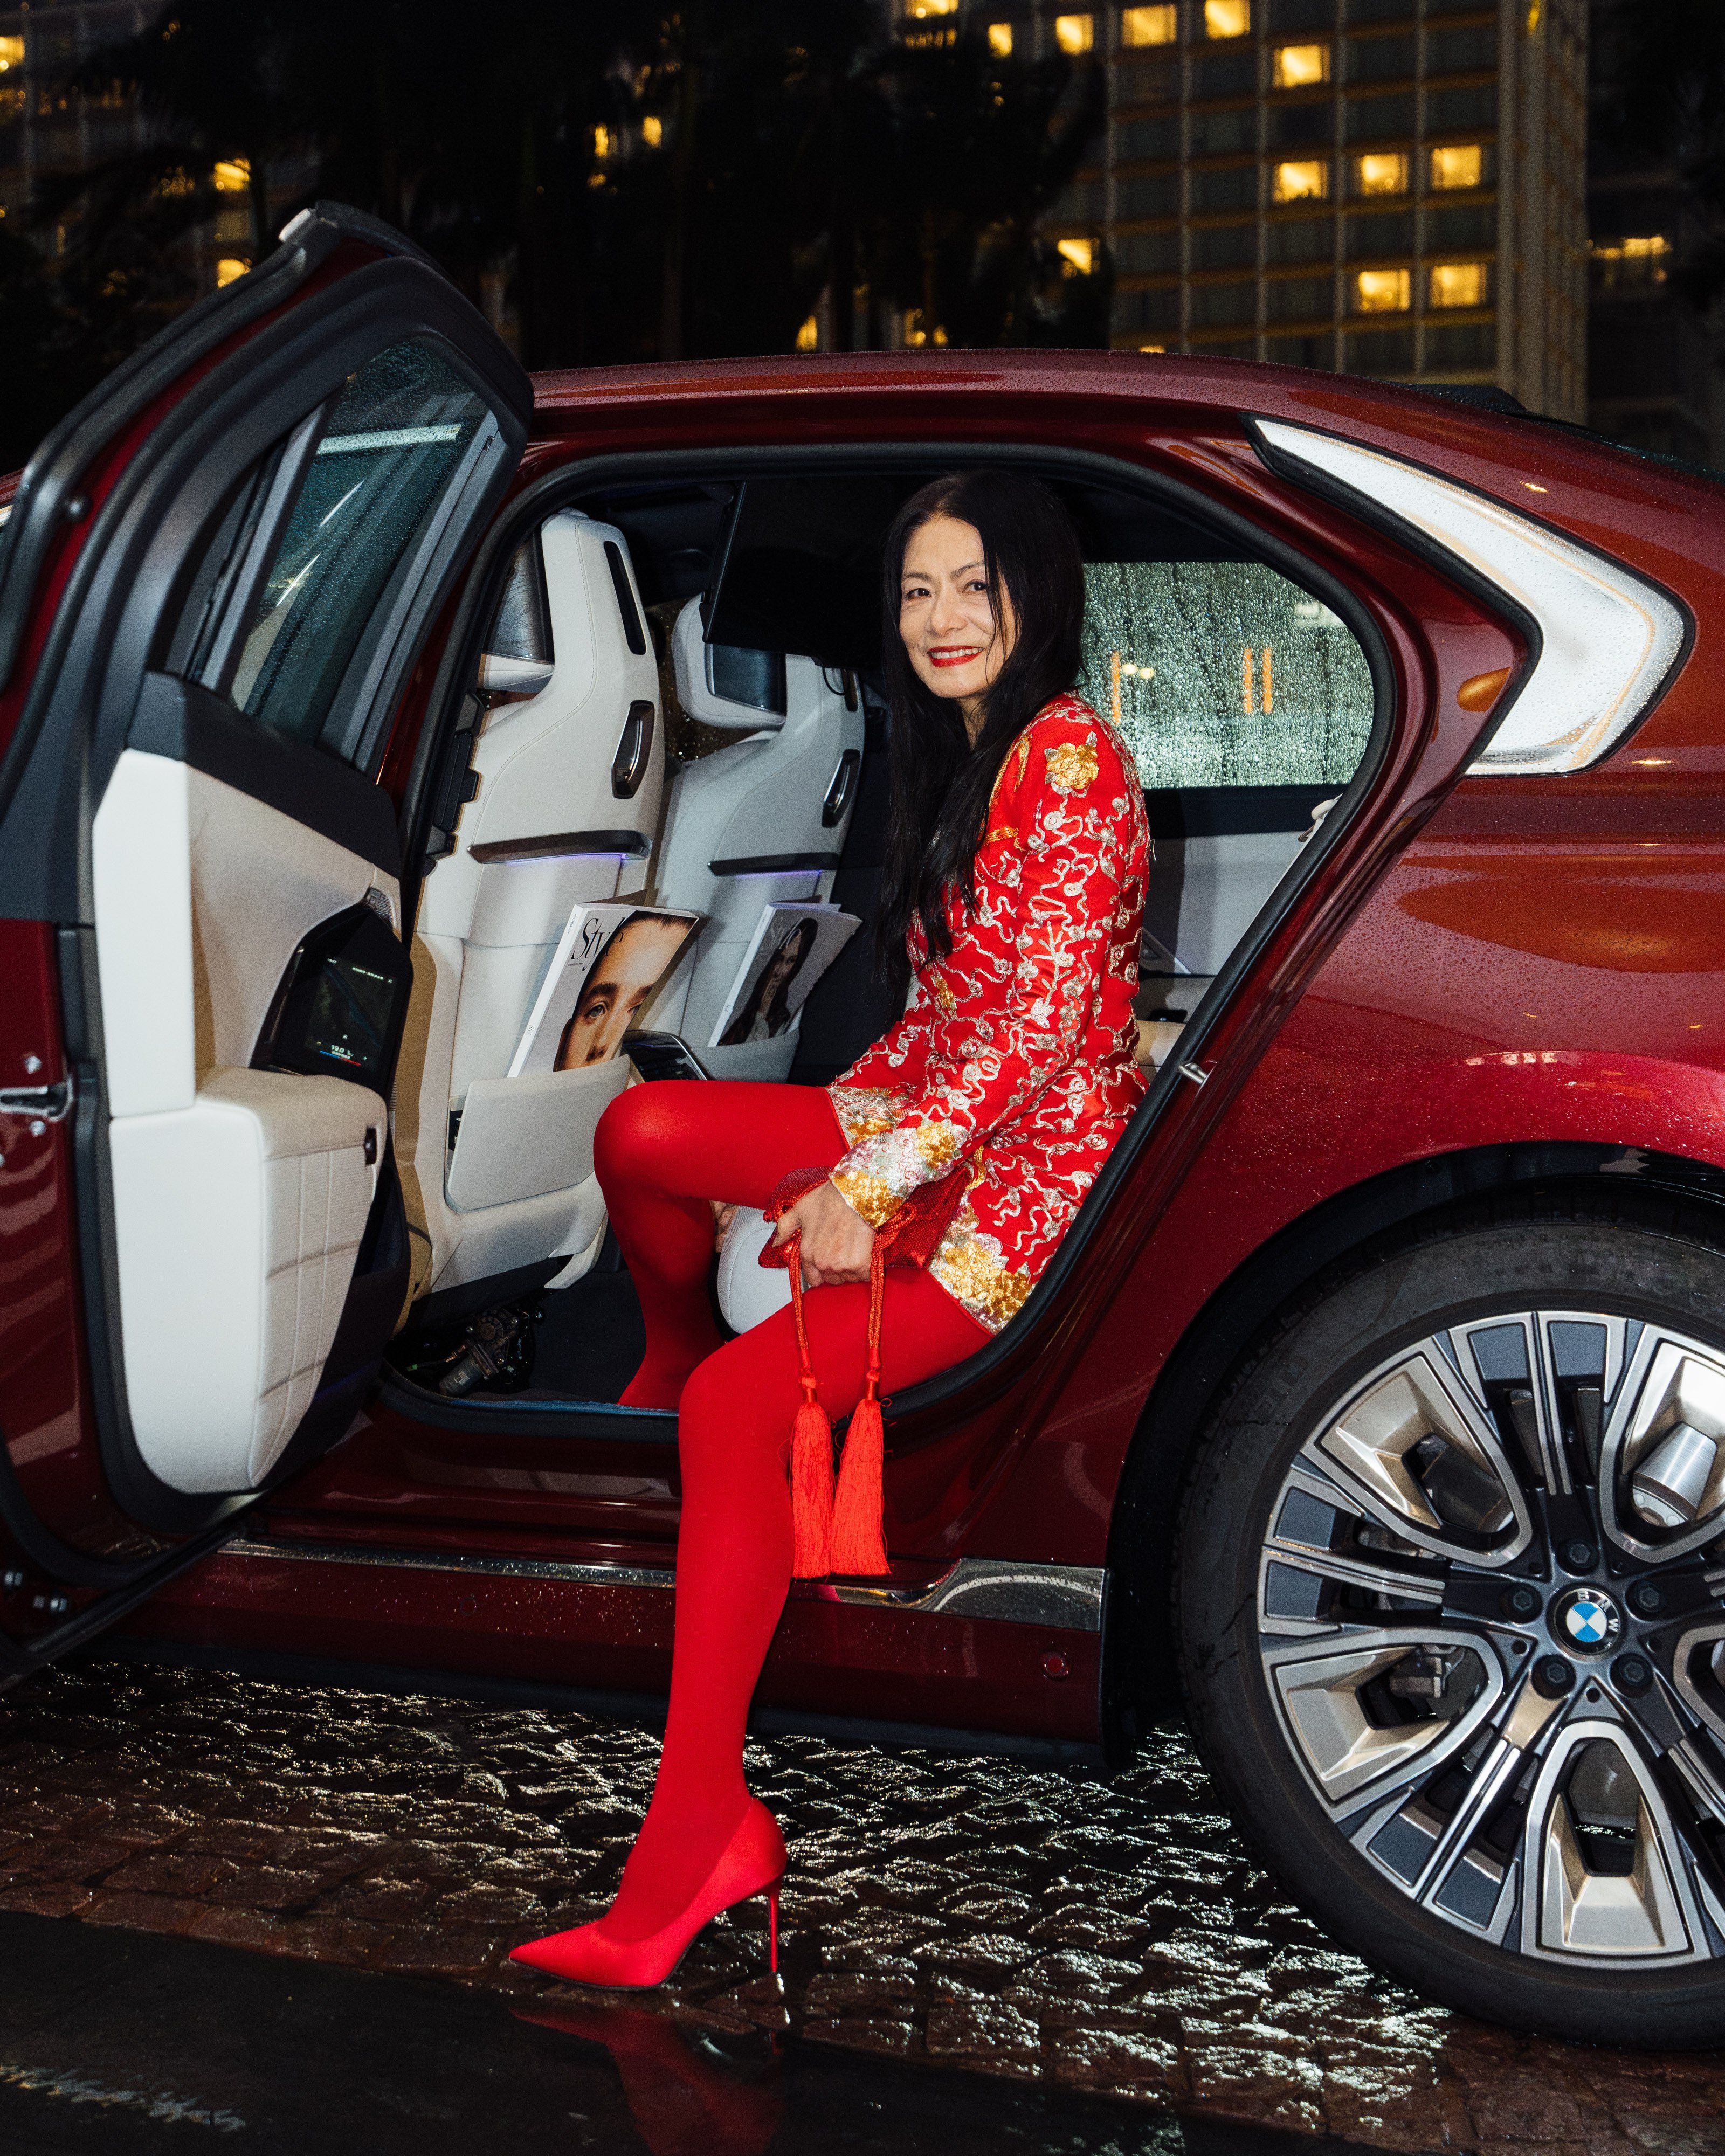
(1106, 1937)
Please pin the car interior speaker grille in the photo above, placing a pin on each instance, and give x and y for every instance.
(1609, 639)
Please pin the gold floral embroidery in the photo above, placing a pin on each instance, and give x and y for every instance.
(1072, 766)
(938, 1144)
(1024, 754)
(876, 1201)
(970, 1267)
(943, 996)
(1000, 831)
(864, 1113)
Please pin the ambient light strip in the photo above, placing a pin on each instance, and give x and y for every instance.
(1608, 638)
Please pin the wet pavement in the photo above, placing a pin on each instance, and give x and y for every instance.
(1052, 1960)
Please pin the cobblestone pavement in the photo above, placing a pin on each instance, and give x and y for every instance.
(1106, 1937)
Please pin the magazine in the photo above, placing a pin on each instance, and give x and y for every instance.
(608, 961)
(792, 948)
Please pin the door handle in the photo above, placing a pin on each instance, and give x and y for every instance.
(629, 767)
(839, 792)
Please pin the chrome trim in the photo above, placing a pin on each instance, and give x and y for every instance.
(496, 1568)
(1000, 1590)
(1065, 1596)
(48, 1104)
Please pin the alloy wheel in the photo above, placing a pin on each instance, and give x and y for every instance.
(1491, 1620)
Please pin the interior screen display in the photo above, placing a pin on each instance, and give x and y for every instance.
(339, 1009)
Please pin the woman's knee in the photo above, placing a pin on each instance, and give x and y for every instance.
(639, 1123)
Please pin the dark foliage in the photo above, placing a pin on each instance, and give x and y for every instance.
(641, 184)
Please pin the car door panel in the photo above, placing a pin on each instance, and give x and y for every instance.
(187, 804)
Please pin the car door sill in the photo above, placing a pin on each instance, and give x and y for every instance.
(1066, 1597)
(494, 1415)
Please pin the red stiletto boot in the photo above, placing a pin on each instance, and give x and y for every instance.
(752, 1863)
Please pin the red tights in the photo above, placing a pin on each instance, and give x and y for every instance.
(662, 1150)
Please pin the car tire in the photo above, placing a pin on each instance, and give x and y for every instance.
(1525, 1818)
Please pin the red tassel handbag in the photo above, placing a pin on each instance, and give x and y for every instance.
(840, 1530)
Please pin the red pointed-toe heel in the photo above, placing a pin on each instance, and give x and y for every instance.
(752, 1863)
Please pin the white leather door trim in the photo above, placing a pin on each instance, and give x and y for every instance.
(238, 1220)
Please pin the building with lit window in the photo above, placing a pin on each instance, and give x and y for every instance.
(47, 132)
(1655, 363)
(44, 132)
(1396, 187)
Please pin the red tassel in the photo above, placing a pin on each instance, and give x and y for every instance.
(858, 1546)
(811, 1492)
(811, 1456)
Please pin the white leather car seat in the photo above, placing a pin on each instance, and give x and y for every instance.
(758, 823)
(570, 783)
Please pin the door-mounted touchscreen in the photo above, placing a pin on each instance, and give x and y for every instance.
(339, 1010)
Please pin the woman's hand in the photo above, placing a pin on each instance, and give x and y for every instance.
(837, 1242)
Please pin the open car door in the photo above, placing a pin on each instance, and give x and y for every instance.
(216, 581)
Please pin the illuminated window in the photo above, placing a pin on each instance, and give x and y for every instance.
(928, 11)
(233, 176)
(1307, 180)
(1149, 26)
(1381, 291)
(1152, 347)
(809, 337)
(1081, 254)
(1074, 34)
(1457, 165)
(229, 267)
(1299, 66)
(1458, 285)
(652, 130)
(1383, 172)
(1000, 40)
(602, 143)
(1227, 18)
(1637, 261)
(916, 335)
(12, 49)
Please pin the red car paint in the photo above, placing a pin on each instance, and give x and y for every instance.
(1482, 964)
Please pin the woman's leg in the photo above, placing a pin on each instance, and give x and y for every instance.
(734, 1554)
(662, 1151)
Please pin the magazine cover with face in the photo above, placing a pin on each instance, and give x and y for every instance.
(608, 961)
(792, 948)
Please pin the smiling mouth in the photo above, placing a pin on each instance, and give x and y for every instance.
(957, 654)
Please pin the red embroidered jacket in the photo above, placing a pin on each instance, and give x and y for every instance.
(1016, 1050)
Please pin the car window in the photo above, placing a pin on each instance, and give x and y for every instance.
(400, 433)
(1224, 674)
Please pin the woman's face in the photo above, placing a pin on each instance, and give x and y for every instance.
(955, 643)
(619, 984)
(785, 962)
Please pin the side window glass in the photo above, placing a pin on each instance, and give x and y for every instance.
(1224, 674)
(400, 434)
(522, 629)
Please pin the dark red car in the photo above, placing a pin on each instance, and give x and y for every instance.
(1381, 1380)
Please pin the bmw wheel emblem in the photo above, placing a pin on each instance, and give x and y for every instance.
(1586, 1621)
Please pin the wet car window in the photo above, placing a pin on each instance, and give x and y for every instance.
(400, 434)
(1224, 674)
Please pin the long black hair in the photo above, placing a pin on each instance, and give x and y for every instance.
(940, 783)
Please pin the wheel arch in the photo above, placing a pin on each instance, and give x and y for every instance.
(1139, 1685)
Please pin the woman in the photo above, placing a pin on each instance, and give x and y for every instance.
(1014, 893)
(767, 1013)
